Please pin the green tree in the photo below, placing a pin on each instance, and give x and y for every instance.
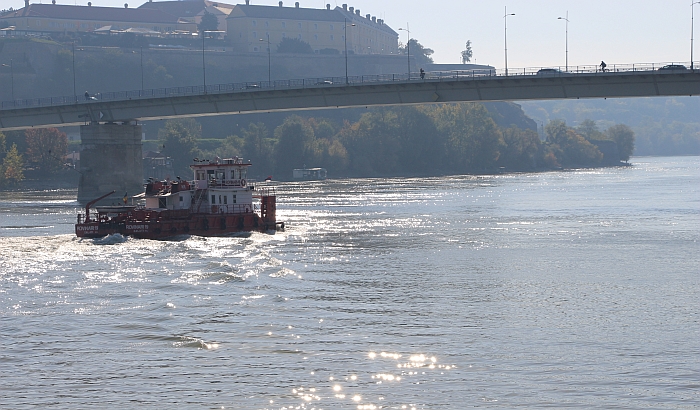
(209, 22)
(3, 147)
(624, 138)
(257, 147)
(12, 167)
(571, 148)
(295, 146)
(46, 149)
(589, 130)
(178, 139)
(420, 53)
(294, 45)
(473, 140)
(520, 150)
(467, 53)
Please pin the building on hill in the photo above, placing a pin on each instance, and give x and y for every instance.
(58, 18)
(192, 10)
(324, 29)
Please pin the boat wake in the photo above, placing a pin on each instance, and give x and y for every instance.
(112, 239)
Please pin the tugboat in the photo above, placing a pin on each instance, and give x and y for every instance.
(218, 202)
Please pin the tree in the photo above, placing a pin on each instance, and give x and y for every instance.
(209, 22)
(420, 54)
(295, 146)
(12, 167)
(178, 139)
(589, 130)
(294, 45)
(521, 148)
(624, 138)
(257, 147)
(571, 148)
(46, 149)
(467, 53)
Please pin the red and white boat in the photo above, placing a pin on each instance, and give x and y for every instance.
(218, 202)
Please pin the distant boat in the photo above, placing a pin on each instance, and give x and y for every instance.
(309, 174)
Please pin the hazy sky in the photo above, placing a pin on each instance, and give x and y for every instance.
(617, 31)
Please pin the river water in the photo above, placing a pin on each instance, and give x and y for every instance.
(563, 289)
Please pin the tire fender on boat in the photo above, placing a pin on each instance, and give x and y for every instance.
(243, 182)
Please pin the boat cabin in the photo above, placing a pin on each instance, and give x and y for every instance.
(219, 187)
(309, 174)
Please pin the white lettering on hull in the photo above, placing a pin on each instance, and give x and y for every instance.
(137, 228)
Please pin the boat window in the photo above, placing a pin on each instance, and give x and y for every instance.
(210, 173)
(225, 199)
(219, 198)
(234, 198)
(243, 173)
(200, 175)
(213, 199)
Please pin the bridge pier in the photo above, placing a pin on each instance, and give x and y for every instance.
(110, 160)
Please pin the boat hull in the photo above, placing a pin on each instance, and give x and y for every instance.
(196, 224)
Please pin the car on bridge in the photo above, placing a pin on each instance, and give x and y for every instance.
(673, 67)
(549, 72)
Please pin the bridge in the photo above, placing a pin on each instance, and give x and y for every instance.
(111, 136)
(637, 80)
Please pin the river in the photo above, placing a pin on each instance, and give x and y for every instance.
(575, 289)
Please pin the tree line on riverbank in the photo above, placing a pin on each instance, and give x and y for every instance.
(417, 140)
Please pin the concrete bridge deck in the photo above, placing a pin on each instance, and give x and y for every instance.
(456, 86)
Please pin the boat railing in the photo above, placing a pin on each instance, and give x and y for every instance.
(233, 208)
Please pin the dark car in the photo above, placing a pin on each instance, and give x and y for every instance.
(548, 71)
(673, 67)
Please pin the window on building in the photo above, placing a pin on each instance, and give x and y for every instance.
(299, 26)
(332, 37)
(315, 36)
(255, 34)
(284, 24)
(255, 23)
(299, 36)
(315, 26)
(38, 22)
(332, 27)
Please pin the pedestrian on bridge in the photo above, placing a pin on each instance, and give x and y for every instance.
(602, 66)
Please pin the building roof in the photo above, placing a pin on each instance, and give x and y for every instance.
(67, 12)
(285, 13)
(297, 13)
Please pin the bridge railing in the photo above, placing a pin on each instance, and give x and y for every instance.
(317, 82)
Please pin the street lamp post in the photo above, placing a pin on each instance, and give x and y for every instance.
(567, 37)
(12, 78)
(505, 26)
(692, 31)
(142, 70)
(75, 94)
(204, 67)
(345, 36)
(269, 59)
(408, 47)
